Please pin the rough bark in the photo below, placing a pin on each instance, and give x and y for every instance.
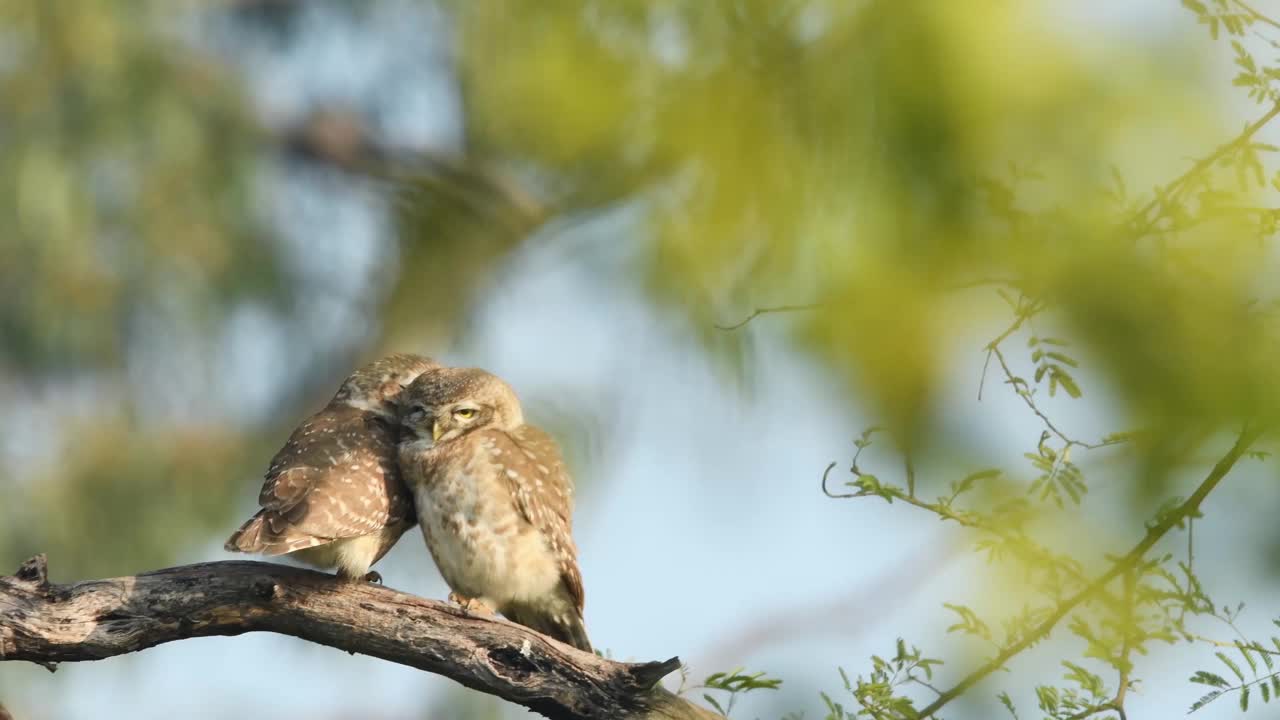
(48, 624)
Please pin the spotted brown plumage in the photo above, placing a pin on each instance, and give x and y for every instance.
(494, 500)
(333, 495)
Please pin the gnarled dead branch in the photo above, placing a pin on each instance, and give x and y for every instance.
(49, 624)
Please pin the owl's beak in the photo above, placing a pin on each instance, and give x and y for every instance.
(436, 431)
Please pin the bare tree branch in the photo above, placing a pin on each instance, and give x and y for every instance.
(48, 624)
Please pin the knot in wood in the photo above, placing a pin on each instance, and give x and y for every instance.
(266, 589)
(35, 570)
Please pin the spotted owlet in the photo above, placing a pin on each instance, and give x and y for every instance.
(333, 496)
(494, 499)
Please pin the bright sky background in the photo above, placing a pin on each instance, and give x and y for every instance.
(702, 529)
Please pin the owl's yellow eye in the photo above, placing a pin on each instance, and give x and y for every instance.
(465, 413)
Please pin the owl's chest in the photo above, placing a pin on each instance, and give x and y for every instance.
(477, 537)
(462, 494)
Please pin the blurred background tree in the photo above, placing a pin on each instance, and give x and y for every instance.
(214, 210)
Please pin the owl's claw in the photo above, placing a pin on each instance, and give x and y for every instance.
(471, 606)
(373, 576)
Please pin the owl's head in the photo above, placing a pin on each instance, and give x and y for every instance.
(446, 403)
(377, 387)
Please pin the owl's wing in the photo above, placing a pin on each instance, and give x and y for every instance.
(543, 493)
(336, 477)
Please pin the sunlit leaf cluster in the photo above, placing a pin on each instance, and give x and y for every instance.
(873, 157)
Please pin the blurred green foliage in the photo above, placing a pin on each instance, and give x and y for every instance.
(125, 194)
(130, 191)
(864, 167)
(124, 502)
(124, 182)
(873, 156)
(866, 157)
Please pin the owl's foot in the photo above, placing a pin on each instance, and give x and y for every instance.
(373, 576)
(471, 606)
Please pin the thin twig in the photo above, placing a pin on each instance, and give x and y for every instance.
(1143, 225)
(982, 382)
(1257, 15)
(828, 493)
(1039, 555)
(965, 285)
(1253, 646)
(1025, 394)
(1094, 710)
(1013, 328)
(1242, 686)
(926, 684)
(1127, 629)
(769, 310)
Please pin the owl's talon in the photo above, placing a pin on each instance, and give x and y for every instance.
(373, 576)
(471, 606)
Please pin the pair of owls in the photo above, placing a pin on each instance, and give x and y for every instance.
(406, 440)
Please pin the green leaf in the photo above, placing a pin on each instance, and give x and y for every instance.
(1205, 700)
(1248, 658)
(969, 623)
(1231, 664)
(1068, 383)
(1088, 681)
(969, 480)
(1062, 359)
(1048, 698)
(1008, 703)
(1203, 677)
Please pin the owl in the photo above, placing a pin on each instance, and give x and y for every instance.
(333, 497)
(494, 500)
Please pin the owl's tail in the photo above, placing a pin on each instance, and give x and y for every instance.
(248, 538)
(269, 534)
(567, 626)
(574, 632)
